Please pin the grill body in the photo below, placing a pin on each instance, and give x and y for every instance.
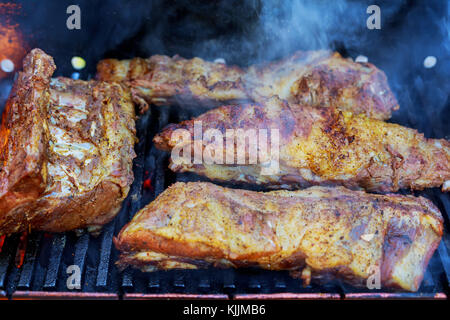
(411, 30)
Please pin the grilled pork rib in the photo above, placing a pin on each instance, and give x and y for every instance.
(67, 149)
(327, 231)
(24, 139)
(314, 78)
(318, 147)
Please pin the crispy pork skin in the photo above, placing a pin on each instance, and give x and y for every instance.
(84, 147)
(315, 78)
(317, 146)
(326, 232)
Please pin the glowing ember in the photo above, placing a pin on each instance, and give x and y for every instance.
(148, 184)
(2, 241)
(48, 235)
(20, 255)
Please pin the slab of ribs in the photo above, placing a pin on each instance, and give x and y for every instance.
(317, 146)
(312, 78)
(321, 231)
(66, 151)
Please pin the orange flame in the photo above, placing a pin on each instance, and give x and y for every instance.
(20, 255)
(2, 241)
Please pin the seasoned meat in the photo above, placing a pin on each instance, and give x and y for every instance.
(335, 232)
(83, 154)
(24, 139)
(317, 146)
(162, 80)
(314, 78)
(324, 79)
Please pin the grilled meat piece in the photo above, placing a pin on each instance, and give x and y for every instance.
(24, 139)
(161, 80)
(327, 231)
(317, 146)
(314, 78)
(324, 79)
(80, 147)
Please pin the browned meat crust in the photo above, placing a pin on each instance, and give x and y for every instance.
(327, 231)
(24, 139)
(162, 80)
(86, 152)
(325, 79)
(314, 78)
(319, 147)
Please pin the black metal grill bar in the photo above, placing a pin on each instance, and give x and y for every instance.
(428, 282)
(178, 281)
(444, 198)
(4, 264)
(443, 253)
(51, 277)
(136, 187)
(6, 259)
(229, 285)
(81, 248)
(279, 284)
(153, 283)
(105, 254)
(26, 273)
(127, 280)
(155, 168)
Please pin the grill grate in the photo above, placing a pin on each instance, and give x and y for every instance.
(43, 273)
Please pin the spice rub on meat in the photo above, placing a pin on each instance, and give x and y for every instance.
(319, 232)
(67, 151)
(317, 146)
(313, 78)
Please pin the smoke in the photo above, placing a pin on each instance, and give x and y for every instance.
(446, 29)
(247, 32)
(244, 32)
(291, 25)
